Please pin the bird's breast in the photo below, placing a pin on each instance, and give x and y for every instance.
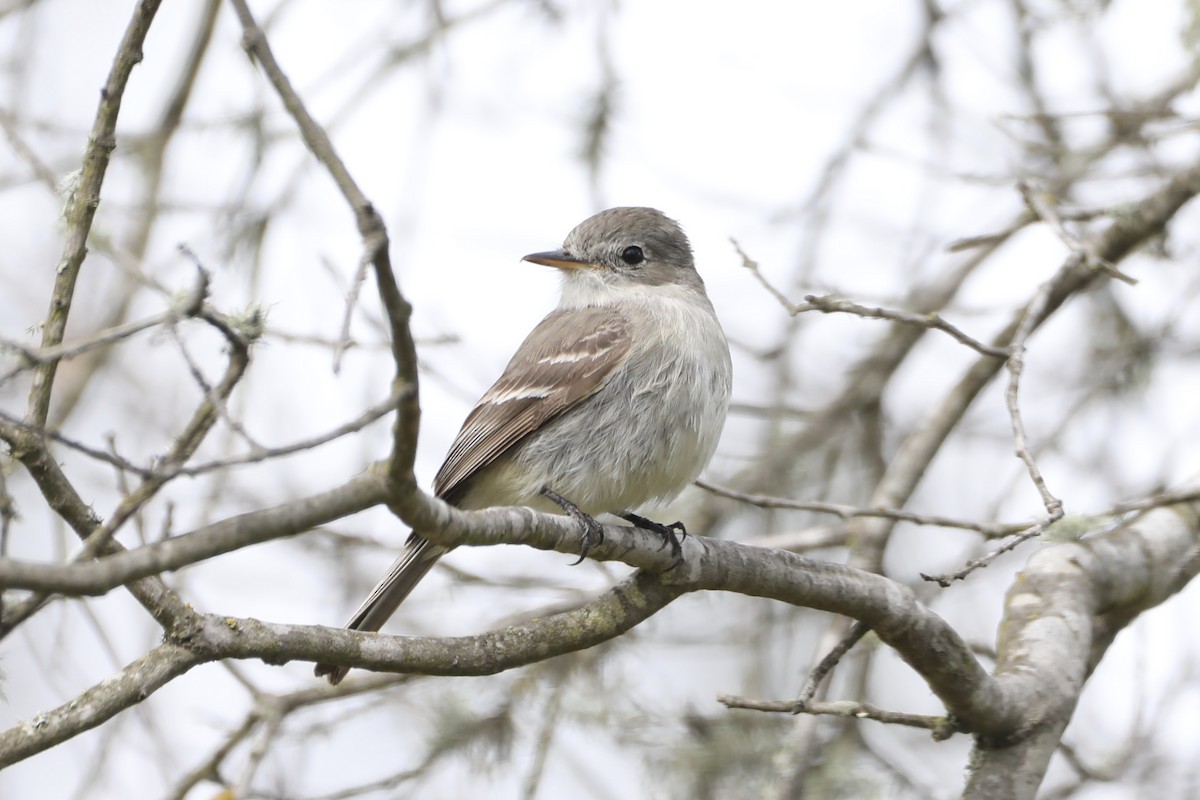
(650, 429)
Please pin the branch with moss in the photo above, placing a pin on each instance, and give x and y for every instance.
(1045, 652)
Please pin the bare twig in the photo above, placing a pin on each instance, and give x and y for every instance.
(343, 339)
(186, 307)
(1187, 494)
(990, 530)
(1026, 64)
(215, 397)
(942, 727)
(858, 629)
(990, 239)
(828, 304)
(752, 265)
(278, 705)
(375, 242)
(186, 443)
(81, 207)
(270, 715)
(151, 149)
(94, 577)
(1016, 366)
(386, 784)
(1043, 206)
(210, 769)
(164, 470)
(946, 579)
(35, 357)
(1090, 524)
(260, 454)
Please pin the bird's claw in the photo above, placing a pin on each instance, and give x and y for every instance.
(593, 532)
(672, 534)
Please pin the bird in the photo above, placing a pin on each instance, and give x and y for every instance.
(615, 400)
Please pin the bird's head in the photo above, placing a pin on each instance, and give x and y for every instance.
(623, 247)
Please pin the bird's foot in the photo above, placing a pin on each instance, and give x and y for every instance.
(667, 532)
(593, 532)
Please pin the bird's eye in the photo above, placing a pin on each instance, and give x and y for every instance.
(632, 255)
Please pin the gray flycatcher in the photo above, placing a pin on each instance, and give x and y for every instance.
(616, 399)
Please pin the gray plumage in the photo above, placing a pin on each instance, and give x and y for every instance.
(616, 399)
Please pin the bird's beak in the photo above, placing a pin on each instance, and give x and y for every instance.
(560, 259)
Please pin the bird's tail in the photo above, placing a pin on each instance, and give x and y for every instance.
(405, 573)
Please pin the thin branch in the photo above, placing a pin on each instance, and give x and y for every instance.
(1032, 532)
(96, 577)
(150, 150)
(36, 357)
(828, 304)
(1128, 231)
(388, 783)
(1080, 525)
(990, 530)
(752, 265)
(1186, 494)
(372, 414)
(375, 244)
(97, 705)
(270, 717)
(215, 397)
(29, 447)
(942, 727)
(82, 204)
(343, 340)
(991, 239)
(1026, 65)
(375, 412)
(280, 705)
(1016, 366)
(858, 630)
(1043, 206)
(210, 769)
(185, 444)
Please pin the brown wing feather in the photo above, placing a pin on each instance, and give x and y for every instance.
(564, 360)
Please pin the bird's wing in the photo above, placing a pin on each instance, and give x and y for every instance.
(564, 360)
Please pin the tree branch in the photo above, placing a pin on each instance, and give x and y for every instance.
(1063, 611)
(254, 527)
(375, 251)
(85, 198)
(98, 704)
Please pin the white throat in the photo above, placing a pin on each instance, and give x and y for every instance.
(587, 288)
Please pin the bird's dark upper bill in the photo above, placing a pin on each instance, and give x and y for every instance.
(559, 258)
